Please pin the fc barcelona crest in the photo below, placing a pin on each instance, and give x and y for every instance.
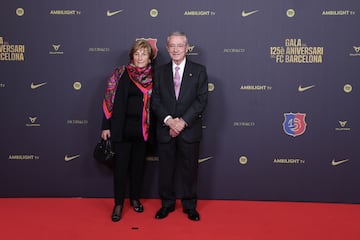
(294, 124)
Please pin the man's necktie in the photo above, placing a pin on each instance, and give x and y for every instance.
(177, 82)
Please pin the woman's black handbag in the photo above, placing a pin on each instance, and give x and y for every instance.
(103, 152)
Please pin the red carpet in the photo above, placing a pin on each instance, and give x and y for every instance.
(89, 218)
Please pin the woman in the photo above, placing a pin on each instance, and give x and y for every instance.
(126, 120)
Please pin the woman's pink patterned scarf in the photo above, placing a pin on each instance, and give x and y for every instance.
(142, 78)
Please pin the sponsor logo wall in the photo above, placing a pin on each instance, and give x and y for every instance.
(281, 123)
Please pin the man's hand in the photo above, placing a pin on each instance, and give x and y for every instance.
(176, 125)
(173, 134)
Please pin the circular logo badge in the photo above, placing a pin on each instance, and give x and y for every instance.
(290, 13)
(154, 12)
(77, 85)
(20, 12)
(347, 88)
(211, 87)
(243, 160)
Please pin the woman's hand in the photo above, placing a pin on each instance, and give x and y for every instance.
(105, 134)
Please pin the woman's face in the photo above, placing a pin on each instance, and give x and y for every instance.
(141, 58)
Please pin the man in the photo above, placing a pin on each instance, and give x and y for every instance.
(178, 100)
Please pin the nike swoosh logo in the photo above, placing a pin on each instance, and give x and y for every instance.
(35, 86)
(154, 158)
(204, 159)
(246, 14)
(110, 13)
(335, 163)
(69, 158)
(303, 89)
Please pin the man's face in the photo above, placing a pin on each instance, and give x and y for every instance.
(177, 48)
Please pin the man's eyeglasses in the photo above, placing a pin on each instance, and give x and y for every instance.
(176, 46)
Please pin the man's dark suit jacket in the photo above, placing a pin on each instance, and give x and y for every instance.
(190, 104)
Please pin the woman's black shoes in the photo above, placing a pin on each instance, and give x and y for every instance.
(116, 214)
(137, 206)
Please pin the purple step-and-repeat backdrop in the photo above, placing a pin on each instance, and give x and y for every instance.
(281, 123)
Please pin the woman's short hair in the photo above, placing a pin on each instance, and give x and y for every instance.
(140, 44)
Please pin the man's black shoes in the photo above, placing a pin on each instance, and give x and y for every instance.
(192, 214)
(163, 212)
